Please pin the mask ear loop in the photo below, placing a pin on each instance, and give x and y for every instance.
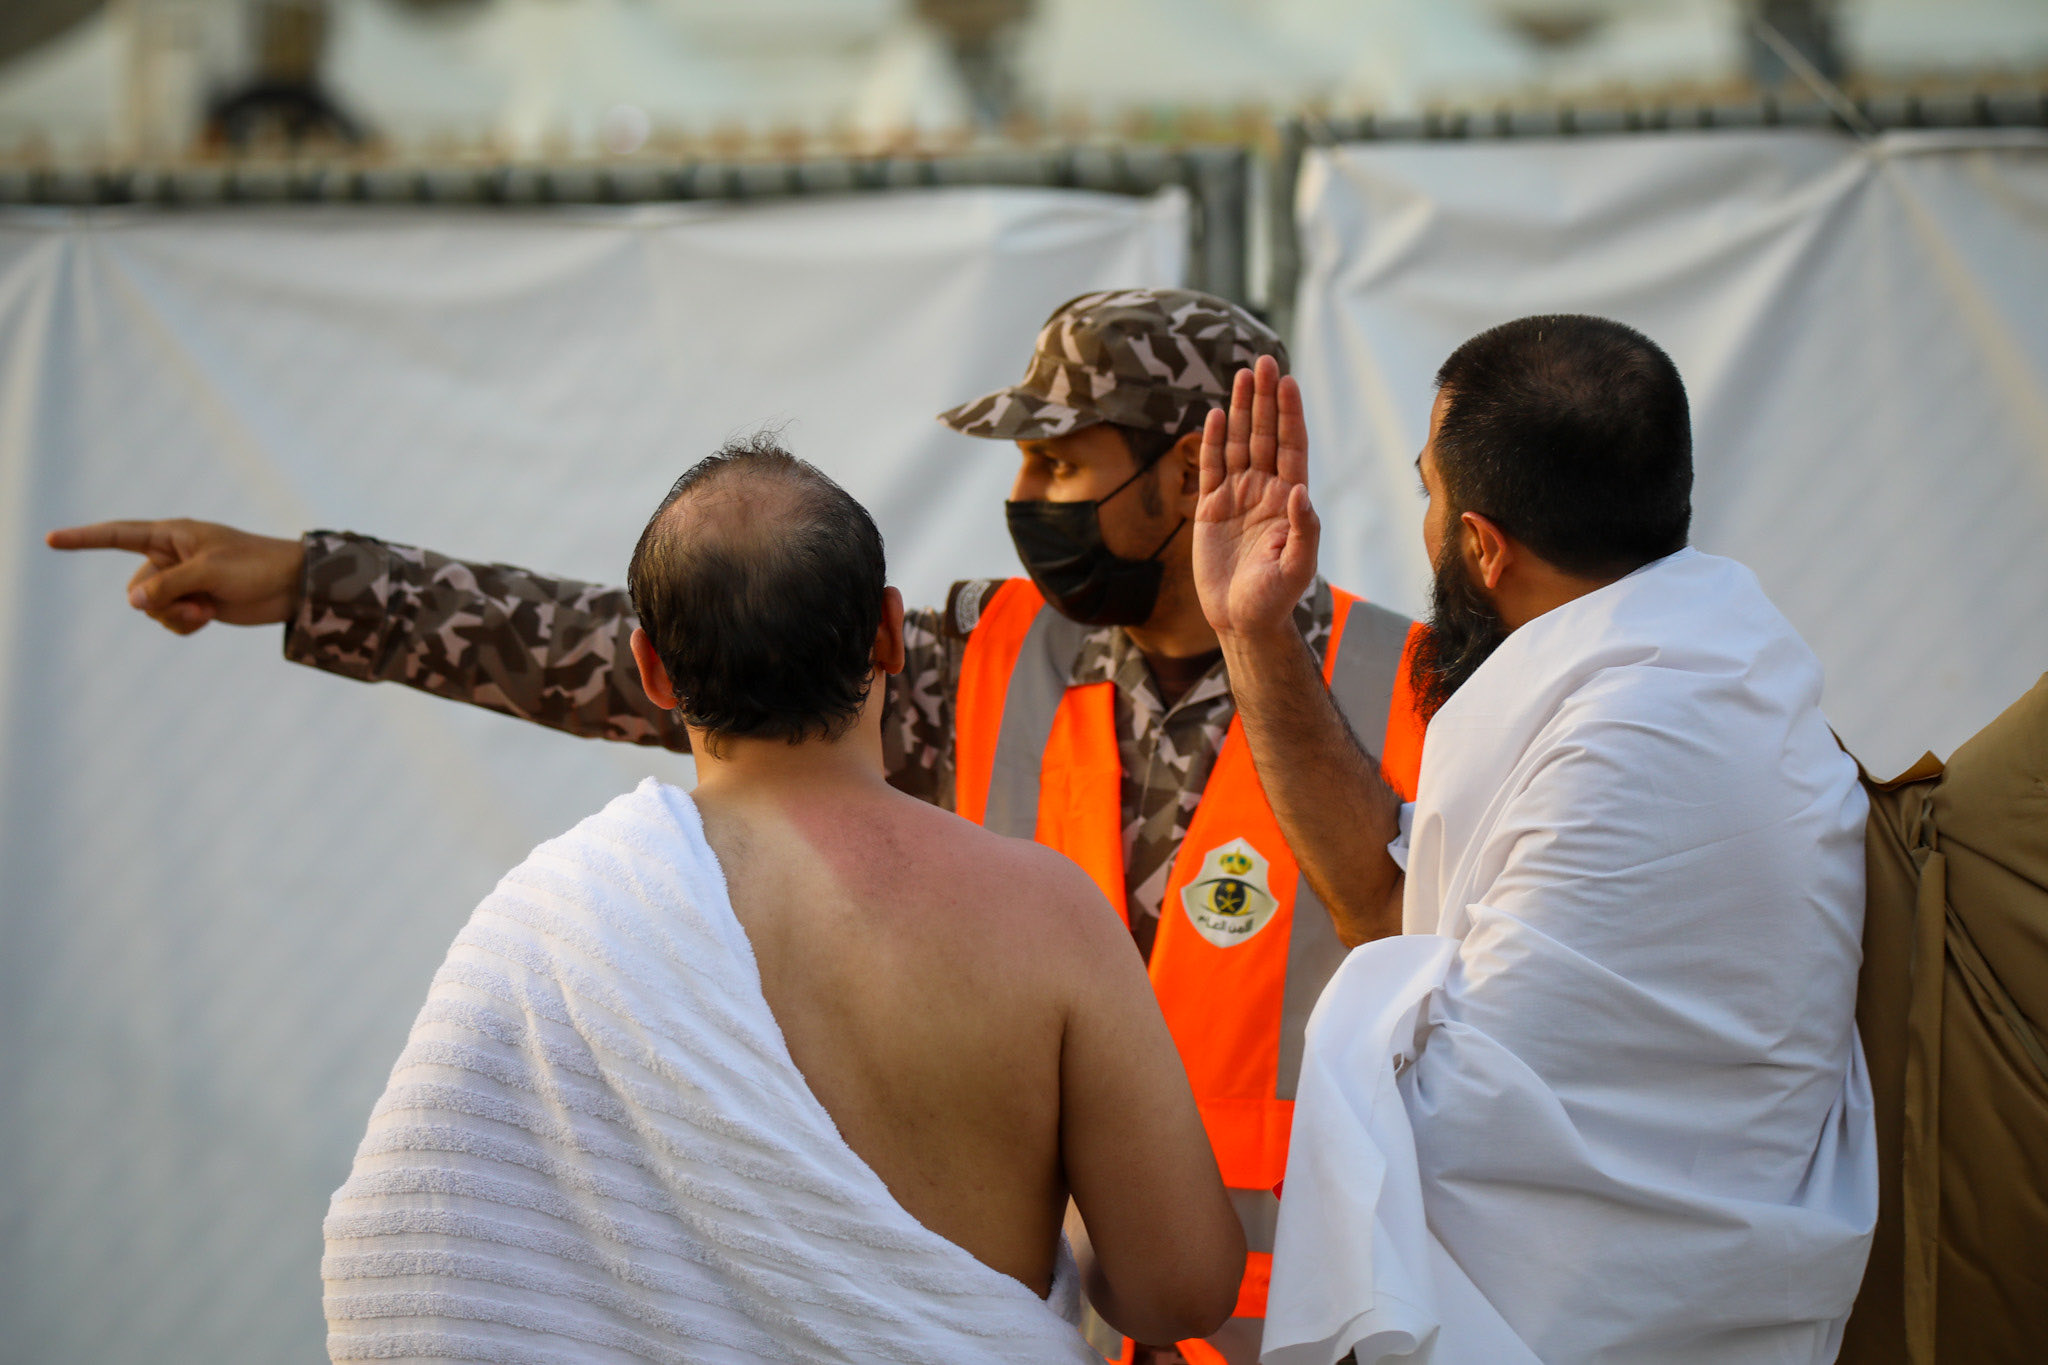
(1126, 484)
(1140, 473)
(1168, 541)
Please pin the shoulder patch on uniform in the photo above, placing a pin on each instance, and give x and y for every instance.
(965, 603)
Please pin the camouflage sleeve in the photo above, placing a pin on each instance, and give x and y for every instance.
(917, 728)
(542, 649)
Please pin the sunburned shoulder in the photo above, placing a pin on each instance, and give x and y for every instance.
(1009, 881)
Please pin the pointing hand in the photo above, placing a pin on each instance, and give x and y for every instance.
(194, 572)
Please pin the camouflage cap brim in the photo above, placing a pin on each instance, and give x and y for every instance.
(1016, 414)
(1154, 359)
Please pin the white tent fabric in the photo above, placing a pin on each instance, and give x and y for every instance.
(527, 77)
(1107, 55)
(67, 93)
(228, 880)
(912, 84)
(1695, 43)
(1907, 38)
(550, 77)
(1863, 329)
(1400, 57)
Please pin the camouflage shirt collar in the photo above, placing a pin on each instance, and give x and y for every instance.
(1108, 655)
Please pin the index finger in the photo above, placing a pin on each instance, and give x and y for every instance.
(139, 537)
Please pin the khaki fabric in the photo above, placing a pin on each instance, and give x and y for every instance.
(1953, 1009)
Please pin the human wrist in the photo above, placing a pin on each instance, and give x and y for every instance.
(1261, 631)
(1265, 667)
(1260, 644)
(291, 557)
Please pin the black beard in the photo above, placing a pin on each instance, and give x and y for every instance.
(1464, 630)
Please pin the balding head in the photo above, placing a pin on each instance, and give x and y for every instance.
(761, 584)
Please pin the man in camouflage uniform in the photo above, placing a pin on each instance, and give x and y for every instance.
(554, 651)
(1115, 397)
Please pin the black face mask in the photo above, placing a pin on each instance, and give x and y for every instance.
(1061, 546)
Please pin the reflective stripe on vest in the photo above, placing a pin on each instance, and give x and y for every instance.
(1033, 757)
(1038, 757)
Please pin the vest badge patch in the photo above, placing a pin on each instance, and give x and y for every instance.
(1231, 898)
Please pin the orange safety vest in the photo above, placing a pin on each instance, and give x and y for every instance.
(1244, 946)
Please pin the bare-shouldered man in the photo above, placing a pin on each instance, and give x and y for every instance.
(967, 1012)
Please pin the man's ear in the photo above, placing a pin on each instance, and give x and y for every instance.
(653, 675)
(1488, 549)
(889, 652)
(1189, 449)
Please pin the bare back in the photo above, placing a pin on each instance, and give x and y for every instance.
(977, 1022)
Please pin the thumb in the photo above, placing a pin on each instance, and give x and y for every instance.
(1304, 531)
(187, 578)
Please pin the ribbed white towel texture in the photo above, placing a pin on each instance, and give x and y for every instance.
(595, 1147)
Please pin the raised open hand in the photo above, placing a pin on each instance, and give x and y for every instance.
(194, 572)
(1255, 533)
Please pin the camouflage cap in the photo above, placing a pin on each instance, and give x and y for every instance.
(1157, 359)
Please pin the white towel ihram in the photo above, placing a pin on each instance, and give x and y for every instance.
(595, 1147)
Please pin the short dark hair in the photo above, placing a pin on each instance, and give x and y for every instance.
(764, 616)
(1148, 445)
(1571, 433)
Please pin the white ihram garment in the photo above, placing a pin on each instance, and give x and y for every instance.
(1603, 1100)
(595, 1147)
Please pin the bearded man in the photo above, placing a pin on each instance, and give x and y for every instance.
(1592, 1089)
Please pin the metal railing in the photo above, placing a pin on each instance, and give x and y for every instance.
(1217, 179)
(2020, 109)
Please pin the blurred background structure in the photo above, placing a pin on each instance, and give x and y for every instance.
(119, 80)
(483, 275)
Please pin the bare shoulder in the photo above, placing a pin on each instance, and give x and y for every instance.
(1022, 892)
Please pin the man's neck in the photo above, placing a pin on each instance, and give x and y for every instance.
(1177, 628)
(1176, 677)
(818, 767)
(1540, 589)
